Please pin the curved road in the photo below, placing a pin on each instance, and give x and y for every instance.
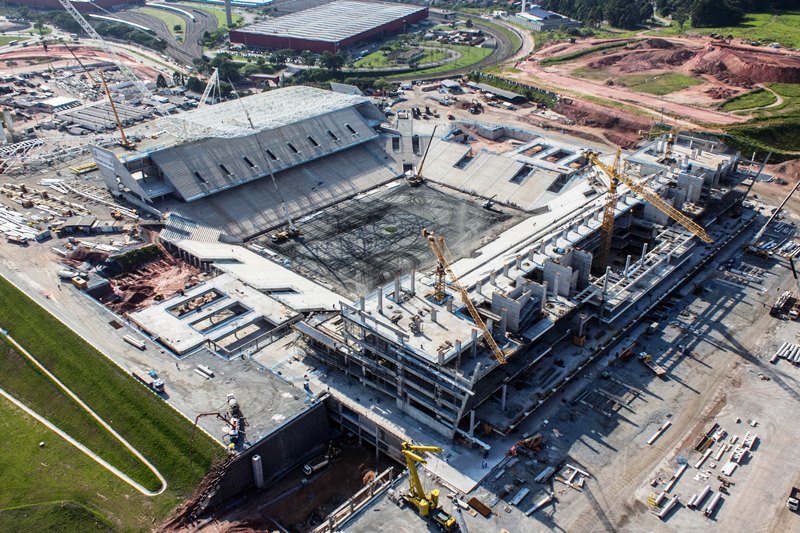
(191, 47)
(121, 475)
(503, 52)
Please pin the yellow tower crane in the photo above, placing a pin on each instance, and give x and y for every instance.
(437, 244)
(426, 504)
(616, 176)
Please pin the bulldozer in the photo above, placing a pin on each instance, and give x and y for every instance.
(426, 504)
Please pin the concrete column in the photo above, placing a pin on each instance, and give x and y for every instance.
(544, 295)
(555, 284)
(492, 277)
(361, 303)
(503, 398)
(397, 289)
(503, 321)
(413, 282)
(518, 263)
(433, 314)
(627, 265)
(380, 300)
(644, 253)
(441, 358)
(531, 251)
(471, 422)
(605, 281)
(506, 268)
(490, 325)
(458, 347)
(542, 247)
(228, 17)
(474, 342)
(479, 287)
(449, 305)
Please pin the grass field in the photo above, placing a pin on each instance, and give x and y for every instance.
(469, 56)
(511, 35)
(751, 100)
(570, 56)
(149, 424)
(58, 488)
(219, 13)
(596, 74)
(5, 39)
(378, 60)
(659, 84)
(790, 93)
(782, 28)
(20, 378)
(170, 19)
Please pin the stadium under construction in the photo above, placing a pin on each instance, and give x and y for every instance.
(444, 292)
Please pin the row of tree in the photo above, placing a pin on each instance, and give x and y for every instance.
(633, 13)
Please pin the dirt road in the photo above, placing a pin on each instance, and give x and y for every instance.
(652, 104)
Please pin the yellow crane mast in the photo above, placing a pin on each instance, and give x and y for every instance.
(607, 228)
(437, 244)
(124, 142)
(426, 504)
(616, 176)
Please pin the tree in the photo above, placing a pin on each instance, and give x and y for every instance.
(177, 27)
(161, 81)
(331, 62)
(469, 23)
(177, 78)
(713, 13)
(195, 85)
(308, 58)
(279, 57)
(228, 70)
(681, 17)
(39, 25)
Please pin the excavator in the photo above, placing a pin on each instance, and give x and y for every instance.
(533, 443)
(426, 504)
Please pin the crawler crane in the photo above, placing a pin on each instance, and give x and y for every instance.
(427, 504)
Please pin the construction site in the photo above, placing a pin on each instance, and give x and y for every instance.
(404, 320)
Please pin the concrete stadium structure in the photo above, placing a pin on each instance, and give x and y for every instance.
(348, 307)
(218, 175)
(329, 27)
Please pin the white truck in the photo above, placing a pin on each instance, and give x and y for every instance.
(793, 503)
(150, 379)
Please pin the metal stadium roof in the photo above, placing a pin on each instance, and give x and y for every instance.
(333, 22)
(267, 110)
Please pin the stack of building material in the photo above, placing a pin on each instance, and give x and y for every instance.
(788, 351)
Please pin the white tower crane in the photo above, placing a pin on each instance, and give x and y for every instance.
(128, 73)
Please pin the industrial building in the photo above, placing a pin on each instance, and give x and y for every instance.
(330, 27)
(539, 19)
(84, 6)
